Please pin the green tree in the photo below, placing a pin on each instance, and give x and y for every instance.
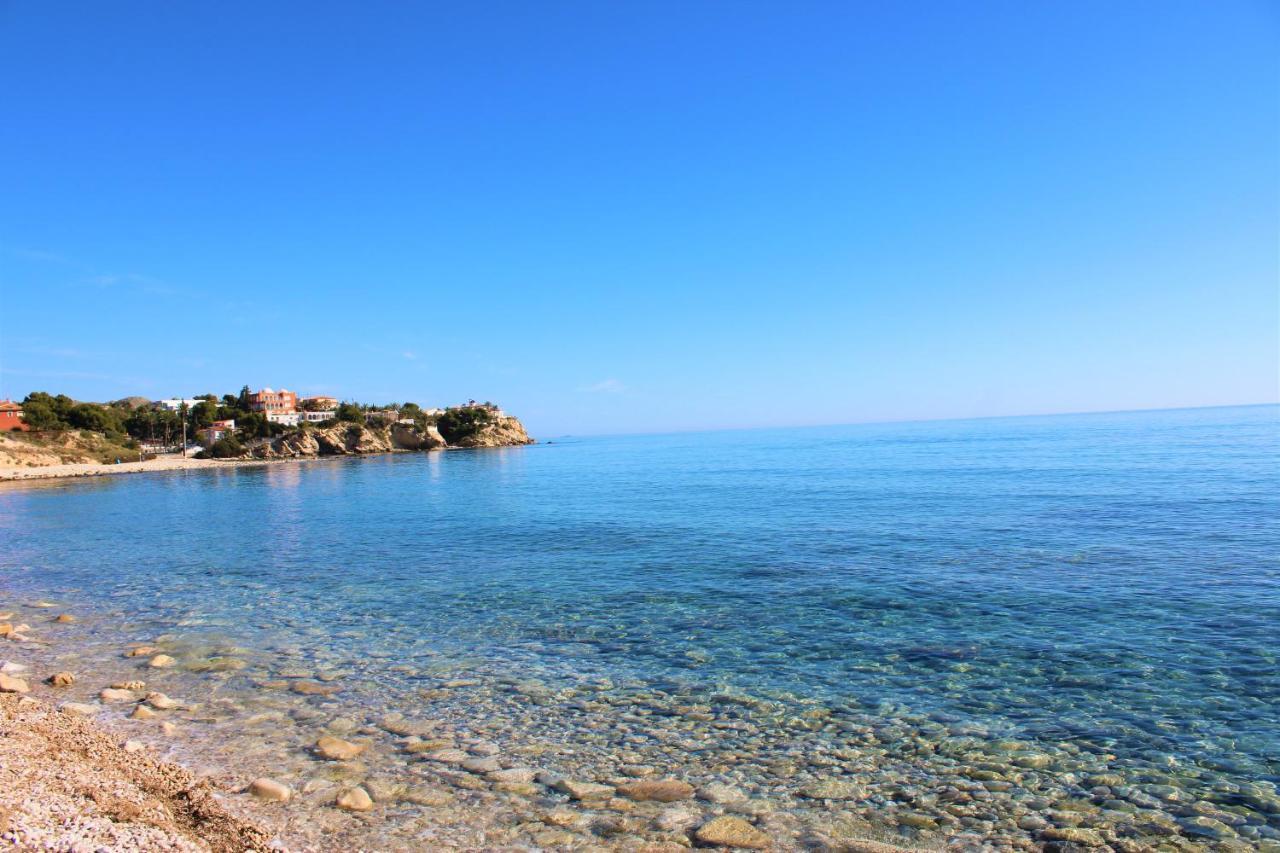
(350, 412)
(204, 412)
(40, 415)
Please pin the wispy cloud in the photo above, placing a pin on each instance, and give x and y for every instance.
(605, 386)
(410, 355)
(133, 281)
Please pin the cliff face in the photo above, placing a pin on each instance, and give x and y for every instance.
(346, 439)
(500, 432)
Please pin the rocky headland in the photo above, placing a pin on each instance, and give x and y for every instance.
(343, 439)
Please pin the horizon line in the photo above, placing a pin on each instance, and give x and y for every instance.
(923, 420)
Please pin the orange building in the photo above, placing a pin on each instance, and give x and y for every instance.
(273, 402)
(11, 419)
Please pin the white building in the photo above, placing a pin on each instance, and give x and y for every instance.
(286, 418)
(317, 417)
(176, 403)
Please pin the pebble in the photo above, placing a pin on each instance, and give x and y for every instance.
(583, 790)
(129, 685)
(721, 794)
(727, 831)
(13, 684)
(61, 679)
(81, 708)
(657, 790)
(111, 695)
(337, 749)
(142, 712)
(423, 795)
(355, 800)
(446, 756)
(314, 688)
(270, 789)
(65, 618)
(834, 789)
(134, 746)
(161, 702)
(161, 661)
(141, 652)
(516, 775)
(1073, 834)
(676, 819)
(562, 817)
(10, 667)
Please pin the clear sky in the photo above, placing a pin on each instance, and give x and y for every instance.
(625, 217)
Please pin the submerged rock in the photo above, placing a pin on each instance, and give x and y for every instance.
(657, 790)
(337, 749)
(355, 800)
(270, 790)
(728, 831)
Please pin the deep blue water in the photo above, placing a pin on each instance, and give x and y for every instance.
(1112, 579)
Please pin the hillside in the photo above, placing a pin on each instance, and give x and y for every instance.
(27, 450)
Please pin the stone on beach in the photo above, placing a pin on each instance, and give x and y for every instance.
(728, 831)
(337, 749)
(111, 695)
(355, 800)
(141, 652)
(583, 790)
(161, 661)
(834, 789)
(270, 789)
(13, 684)
(82, 708)
(314, 688)
(446, 756)
(142, 712)
(481, 765)
(721, 794)
(10, 667)
(65, 618)
(134, 746)
(129, 685)
(161, 702)
(657, 790)
(517, 775)
(61, 679)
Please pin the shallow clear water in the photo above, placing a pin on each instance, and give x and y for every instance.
(1112, 581)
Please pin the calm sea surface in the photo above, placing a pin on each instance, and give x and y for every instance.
(1111, 582)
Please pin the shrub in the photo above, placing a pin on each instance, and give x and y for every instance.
(226, 447)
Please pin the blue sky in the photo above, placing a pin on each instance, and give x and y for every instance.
(624, 217)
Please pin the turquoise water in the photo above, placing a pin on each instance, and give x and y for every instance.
(1107, 581)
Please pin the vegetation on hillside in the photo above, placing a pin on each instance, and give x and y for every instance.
(124, 423)
(463, 421)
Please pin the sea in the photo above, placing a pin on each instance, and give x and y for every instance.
(1007, 632)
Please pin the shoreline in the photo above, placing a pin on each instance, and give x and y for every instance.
(182, 761)
(76, 470)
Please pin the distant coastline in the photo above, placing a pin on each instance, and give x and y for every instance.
(54, 437)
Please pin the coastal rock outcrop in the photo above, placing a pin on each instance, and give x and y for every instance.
(406, 437)
(502, 431)
(343, 439)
